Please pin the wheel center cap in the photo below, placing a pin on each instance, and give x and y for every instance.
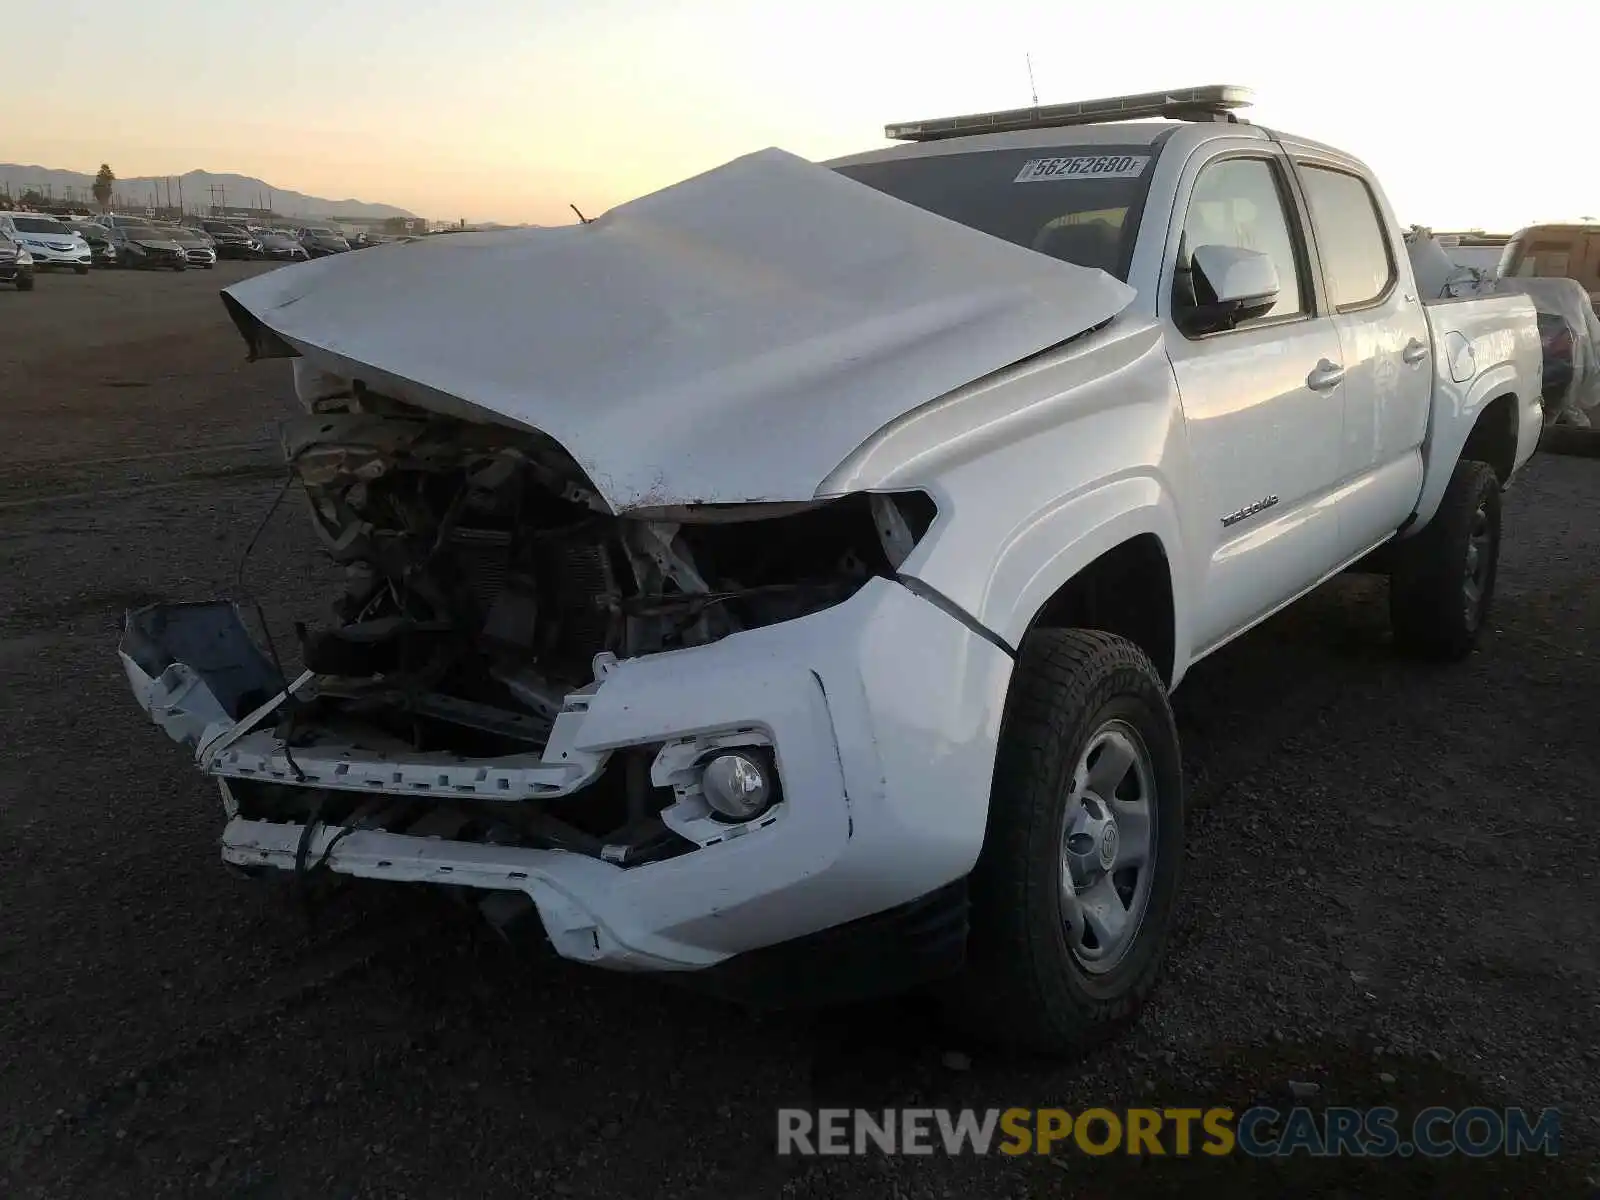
(1108, 846)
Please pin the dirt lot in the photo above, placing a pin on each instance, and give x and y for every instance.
(1391, 891)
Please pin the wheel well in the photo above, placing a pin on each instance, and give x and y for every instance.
(1126, 591)
(1493, 439)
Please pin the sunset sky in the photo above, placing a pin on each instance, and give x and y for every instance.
(509, 110)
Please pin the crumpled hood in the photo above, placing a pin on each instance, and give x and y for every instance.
(730, 338)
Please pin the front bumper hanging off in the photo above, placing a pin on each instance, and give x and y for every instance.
(882, 715)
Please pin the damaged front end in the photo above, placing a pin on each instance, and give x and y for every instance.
(490, 600)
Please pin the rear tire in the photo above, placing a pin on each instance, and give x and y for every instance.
(1066, 940)
(1442, 584)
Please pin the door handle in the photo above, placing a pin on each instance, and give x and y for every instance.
(1415, 351)
(1324, 376)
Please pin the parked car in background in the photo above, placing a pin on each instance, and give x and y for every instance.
(197, 245)
(278, 245)
(101, 252)
(147, 246)
(232, 241)
(1555, 252)
(320, 241)
(49, 242)
(16, 265)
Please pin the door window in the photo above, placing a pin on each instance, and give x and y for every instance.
(1355, 253)
(1239, 202)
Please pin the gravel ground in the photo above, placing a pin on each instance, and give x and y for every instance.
(1391, 890)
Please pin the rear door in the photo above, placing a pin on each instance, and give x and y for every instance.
(1383, 336)
(1263, 402)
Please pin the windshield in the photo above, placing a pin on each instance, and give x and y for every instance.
(1077, 203)
(314, 231)
(90, 229)
(40, 225)
(234, 230)
(185, 235)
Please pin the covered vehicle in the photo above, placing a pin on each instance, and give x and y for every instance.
(779, 579)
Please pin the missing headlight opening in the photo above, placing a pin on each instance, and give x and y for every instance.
(485, 582)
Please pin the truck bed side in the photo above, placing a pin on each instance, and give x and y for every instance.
(1487, 364)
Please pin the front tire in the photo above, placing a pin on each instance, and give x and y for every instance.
(1073, 894)
(24, 283)
(1442, 584)
(80, 270)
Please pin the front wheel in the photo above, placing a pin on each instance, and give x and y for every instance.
(80, 270)
(1073, 893)
(1442, 584)
(24, 283)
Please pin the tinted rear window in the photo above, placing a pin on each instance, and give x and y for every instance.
(1355, 253)
(1081, 204)
(1554, 254)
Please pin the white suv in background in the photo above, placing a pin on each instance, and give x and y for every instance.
(51, 243)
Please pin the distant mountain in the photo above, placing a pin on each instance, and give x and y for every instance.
(235, 191)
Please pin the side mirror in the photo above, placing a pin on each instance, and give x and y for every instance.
(1231, 284)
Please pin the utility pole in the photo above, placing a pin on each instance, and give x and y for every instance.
(180, 196)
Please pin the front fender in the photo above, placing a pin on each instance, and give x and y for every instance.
(1061, 541)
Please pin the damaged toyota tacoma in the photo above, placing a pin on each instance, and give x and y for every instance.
(779, 580)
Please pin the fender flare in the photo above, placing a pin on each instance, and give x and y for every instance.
(1452, 423)
(1044, 553)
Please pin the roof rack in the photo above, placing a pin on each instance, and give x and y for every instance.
(1215, 102)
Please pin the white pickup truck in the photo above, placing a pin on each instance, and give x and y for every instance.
(779, 580)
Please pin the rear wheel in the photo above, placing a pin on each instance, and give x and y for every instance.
(1442, 583)
(1073, 892)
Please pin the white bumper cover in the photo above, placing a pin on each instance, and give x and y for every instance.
(883, 713)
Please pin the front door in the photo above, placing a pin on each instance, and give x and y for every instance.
(1263, 403)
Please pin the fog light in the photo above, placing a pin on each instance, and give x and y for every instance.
(736, 786)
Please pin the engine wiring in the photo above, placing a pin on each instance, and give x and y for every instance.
(290, 705)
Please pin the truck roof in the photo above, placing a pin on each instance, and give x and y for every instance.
(1116, 133)
(1154, 134)
(1194, 115)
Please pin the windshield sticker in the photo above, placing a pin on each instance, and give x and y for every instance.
(1099, 166)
